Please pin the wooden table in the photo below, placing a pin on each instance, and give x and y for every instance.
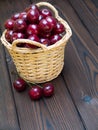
(75, 103)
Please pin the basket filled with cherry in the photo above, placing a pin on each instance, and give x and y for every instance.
(36, 40)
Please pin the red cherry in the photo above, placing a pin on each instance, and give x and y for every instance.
(48, 90)
(32, 29)
(23, 16)
(9, 24)
(52, 21)
(33, 38)
(19, 85)
(46, 12)
(15, 16)
(40, 17)
(17, 36)
(8, 35)
(54, 38)
(35, 93)
(20, 25)
(34, 7)
(45, 41)
(33, 16)
(45, 26)
(59, 28)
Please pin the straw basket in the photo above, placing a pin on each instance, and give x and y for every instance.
(42, 64)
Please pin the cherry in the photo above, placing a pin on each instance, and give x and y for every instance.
(52, 21)
(8, 35)
(45, 12)
(17, 36)
(20, 25)
(45, 41)
(40, 17)
(19, 85)
(35, 93)
(34, 7)
(32, 29)
(9, 24)
(54, 38)
(48, 89)
(33, 16)
(15, 16)
(23, 16)
(59, 28)
(45, 26)
(33, 38)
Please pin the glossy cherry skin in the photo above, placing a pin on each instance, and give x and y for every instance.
(8, 35)
(48, 90)
(15, 16)
(35, 93)
(45, 26)
(45, 41)
(20, 85)
(59, 28)
(32, 29)
(20, 25)
(52, 21)
(9, 24)
(54, 38)
(33, 38)
(23, 15)
(45, 12)
(33, 16)
(17, 36)
(33, 7)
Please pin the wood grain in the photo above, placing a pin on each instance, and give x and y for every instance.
(90, 22)
(75, 103)
(8, 114)
(81, 70)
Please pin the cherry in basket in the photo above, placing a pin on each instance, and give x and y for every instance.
(36, 24)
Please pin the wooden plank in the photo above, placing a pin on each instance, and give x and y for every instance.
(87, 17)
(55, 113)
(8, 114)
(81, 69)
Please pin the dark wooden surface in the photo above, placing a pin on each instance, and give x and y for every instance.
(75, 103)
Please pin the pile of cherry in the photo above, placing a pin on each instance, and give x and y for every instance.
(35, 24)
(36, 91)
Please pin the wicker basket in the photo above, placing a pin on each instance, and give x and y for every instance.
(42, 64)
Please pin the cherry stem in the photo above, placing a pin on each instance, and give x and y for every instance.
(29, 84)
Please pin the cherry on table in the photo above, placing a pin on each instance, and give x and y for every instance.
(35, 93)
(48, 89)
(20, 85)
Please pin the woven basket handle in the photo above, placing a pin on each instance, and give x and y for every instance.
(48, 5)
(16, 42)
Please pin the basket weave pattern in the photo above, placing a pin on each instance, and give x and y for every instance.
(42, 64)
